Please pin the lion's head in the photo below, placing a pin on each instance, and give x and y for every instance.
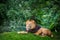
(30, 24)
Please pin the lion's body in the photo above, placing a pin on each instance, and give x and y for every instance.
(31, 26)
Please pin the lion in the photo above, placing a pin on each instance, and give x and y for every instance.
(32, 27)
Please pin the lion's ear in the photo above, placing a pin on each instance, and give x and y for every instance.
(32, 21)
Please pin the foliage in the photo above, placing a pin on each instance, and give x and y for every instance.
(45, 13)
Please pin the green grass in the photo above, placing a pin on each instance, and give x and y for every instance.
(29, 36)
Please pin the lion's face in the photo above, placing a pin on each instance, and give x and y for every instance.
(30, 24)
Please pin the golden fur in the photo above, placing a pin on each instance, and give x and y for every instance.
(31, 24)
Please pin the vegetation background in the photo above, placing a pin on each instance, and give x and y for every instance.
(14, 13)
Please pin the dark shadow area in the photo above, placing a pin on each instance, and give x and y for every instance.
(1, 19)
(3, 16)
(57, 27)
(3, 1)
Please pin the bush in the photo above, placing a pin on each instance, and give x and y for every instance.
(45, 13)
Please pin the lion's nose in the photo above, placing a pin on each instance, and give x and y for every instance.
(28, 27)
